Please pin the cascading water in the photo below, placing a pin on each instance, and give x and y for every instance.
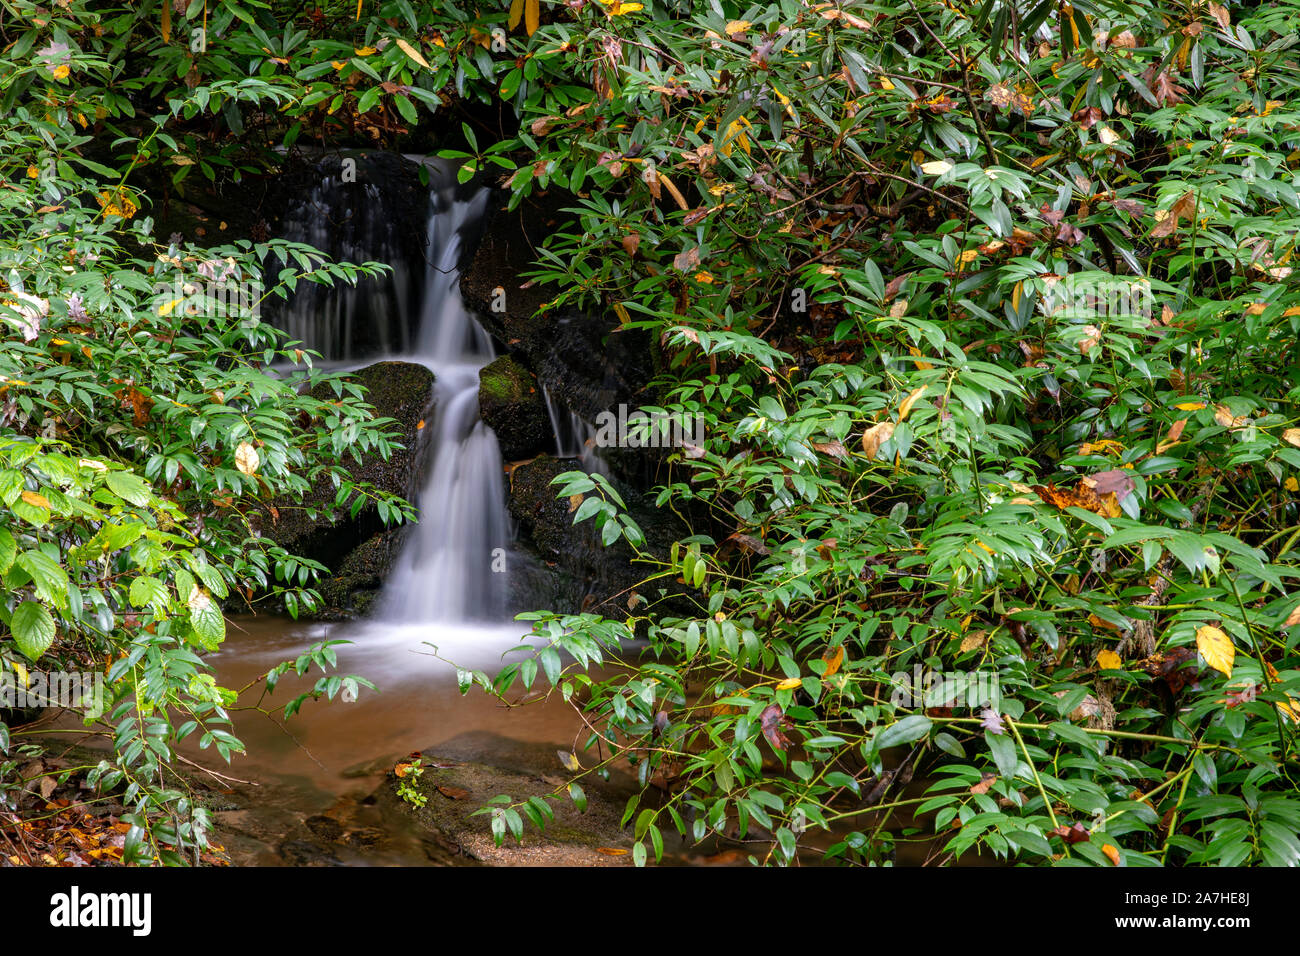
(449, 567)
(574, 438)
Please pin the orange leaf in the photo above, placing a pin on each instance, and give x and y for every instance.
(833, 659)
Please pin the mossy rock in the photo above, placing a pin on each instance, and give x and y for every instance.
(510, 402)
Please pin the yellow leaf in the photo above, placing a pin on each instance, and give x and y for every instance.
(673, 191)
(532, 15)
(1216, 648)
(736, 26)
(621, 311)
(568, 760)
(886, 83)
(790, 683)
(61, 71)
(834, 659)
(246, 458)
(166, 307)
(21, 672)
(906, 408)
(36, 499)
(973, 640)
(936, 168)
(92, 464)
(516, 13)
(916, 353)
(1190, 406)
(364, 51)
(1112, 853)
(412, 52)
(875, 436)
(1109, 661)
(166, 21)
(1292, 436)
(1291, 484)
(611, 851)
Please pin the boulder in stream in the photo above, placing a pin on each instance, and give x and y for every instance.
(510, 402)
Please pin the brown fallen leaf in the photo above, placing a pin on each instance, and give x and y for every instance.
(611, 851)
(1075, 834)
(1293, 618)
(1184, 207)
(1117, 481)
(453, 793)
(875, 436)
(772, 720)
(986, 780)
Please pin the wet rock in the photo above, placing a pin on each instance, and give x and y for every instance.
(510, 402)
(589, 361)
(307, 853)
(324, 827)
(584, 574)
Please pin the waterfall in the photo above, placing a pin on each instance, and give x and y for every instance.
(450, 567)
(574, 438)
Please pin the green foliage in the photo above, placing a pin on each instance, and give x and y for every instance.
(878, 246)
(143, 434)
(989, 314)
(408, 783)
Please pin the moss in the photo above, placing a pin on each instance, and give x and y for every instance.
(510, 402)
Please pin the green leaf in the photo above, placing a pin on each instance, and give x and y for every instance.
(33, 629)
(128, 486)
(1003, 749)
(8, 550)
(208, 625)
(147, 590)
(910, 728)
(50, 579)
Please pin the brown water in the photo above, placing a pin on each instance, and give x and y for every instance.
(331, 755)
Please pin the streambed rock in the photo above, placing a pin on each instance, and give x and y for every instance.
(510, 402)
(455, 783)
